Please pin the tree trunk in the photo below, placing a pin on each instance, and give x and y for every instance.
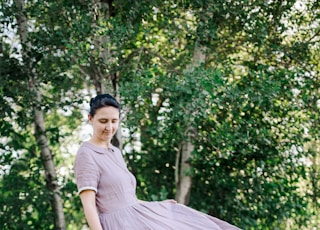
(42, 140)
(50, 171)
(99, 70)
(183, 176)
(103, 80)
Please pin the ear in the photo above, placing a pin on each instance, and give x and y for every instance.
(90, 117)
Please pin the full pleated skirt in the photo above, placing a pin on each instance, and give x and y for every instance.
(161, 216)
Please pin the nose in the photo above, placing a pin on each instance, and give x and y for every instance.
(108, 126)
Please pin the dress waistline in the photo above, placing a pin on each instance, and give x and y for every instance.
(120, 207)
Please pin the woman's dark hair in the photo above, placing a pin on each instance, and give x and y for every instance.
(102, 100)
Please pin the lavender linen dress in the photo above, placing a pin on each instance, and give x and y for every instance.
(105, 171)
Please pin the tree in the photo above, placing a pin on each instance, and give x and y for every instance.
(38, 115)
(34, 86)
(251, 41)
(251, 106)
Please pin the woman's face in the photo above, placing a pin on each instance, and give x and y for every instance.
(105, 124)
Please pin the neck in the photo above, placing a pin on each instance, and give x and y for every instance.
(100, 144)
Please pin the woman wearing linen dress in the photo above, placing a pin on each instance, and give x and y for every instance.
(107, 188)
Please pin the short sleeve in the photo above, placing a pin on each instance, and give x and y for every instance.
(86, 171)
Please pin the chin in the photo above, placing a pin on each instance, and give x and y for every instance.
(107, 139)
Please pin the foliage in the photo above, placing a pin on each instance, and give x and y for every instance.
(255, 138)
(25, 197)
(20, 195)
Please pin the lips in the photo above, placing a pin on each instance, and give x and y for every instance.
(107, 133)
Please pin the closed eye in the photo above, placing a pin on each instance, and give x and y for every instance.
(103, 121)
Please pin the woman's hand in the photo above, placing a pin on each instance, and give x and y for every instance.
(171, 201)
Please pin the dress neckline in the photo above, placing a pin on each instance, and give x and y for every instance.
(99, 149)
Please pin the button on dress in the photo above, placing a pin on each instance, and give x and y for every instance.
(105, 172)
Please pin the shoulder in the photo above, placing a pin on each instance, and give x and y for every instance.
(85, 157)
(84, 151)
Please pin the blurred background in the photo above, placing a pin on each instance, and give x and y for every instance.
(220, 105)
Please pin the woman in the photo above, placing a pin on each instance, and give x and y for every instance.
(107, 188)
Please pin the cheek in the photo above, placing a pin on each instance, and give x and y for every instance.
(98, 126)
(115, 126)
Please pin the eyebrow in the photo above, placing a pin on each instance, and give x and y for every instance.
(104, 119)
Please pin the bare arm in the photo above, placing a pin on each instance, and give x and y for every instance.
(88, 199)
